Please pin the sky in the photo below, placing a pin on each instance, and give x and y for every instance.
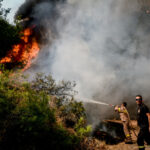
(14, 5)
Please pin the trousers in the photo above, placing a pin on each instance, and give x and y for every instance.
(144, 135)
(126, 129)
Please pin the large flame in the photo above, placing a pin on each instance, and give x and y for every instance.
(23, 52)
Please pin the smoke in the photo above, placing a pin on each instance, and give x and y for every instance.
(103, 46)
(27, 8)
(41, 16)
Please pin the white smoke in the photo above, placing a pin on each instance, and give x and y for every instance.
(103, 46)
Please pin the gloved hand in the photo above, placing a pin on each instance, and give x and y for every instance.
(116, 108)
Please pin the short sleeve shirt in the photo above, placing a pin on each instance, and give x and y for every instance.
(141, 115)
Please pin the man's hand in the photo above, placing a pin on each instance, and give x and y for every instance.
(116, 108)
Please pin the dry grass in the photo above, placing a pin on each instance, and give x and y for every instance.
(93, 144)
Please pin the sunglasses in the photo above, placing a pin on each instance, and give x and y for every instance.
(138, 99)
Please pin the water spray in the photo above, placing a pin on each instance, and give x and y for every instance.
(85, 100)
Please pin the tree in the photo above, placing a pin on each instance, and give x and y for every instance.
(9, 34)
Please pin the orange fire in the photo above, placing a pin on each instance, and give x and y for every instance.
(24, 52)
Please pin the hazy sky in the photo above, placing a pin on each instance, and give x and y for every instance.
(13, 4)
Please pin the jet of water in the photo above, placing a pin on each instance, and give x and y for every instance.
(85, 100)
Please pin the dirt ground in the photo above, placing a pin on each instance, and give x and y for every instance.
(96, 144)
(123, 146)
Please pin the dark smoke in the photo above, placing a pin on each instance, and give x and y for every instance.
(29, 6)
(42, 16)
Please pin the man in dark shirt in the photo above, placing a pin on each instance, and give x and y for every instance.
(143, 119)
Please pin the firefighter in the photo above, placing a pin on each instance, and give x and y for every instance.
(143, 120)
(125, 118)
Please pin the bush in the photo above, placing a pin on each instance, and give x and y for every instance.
(27, 121)
(70, 111)
(81, 129)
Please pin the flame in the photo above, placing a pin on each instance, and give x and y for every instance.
(24, 52)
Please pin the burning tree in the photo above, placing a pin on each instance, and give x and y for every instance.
(24, 43)
(10, 34)
(23, 52)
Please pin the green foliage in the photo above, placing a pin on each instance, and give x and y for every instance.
(72, 112)
(76, 108)
(27, 121)
(81, 129)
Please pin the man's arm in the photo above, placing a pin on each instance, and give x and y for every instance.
(120, 109)
(148, 115)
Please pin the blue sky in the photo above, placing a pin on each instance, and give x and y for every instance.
(14, 5)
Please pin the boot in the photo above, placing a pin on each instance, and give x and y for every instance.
(141, 148)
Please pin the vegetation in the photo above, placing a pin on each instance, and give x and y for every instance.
(10, 34)
(31, 118)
